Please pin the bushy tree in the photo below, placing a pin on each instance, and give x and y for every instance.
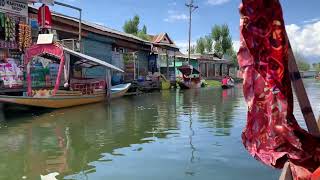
(223, 40)
(209, 44)
(201, 45)
(132, 27)
(302, 63)
(316, 66)
(193, 49)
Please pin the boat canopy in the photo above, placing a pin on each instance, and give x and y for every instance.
(57, 52)
(50, 51)
(89, 62)
(188, 70)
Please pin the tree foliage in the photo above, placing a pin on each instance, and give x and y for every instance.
(132, 27)
(209, 44)
(144, 29)
(222, 38)
(201, 45)
(302, 63)
(193, 49)
(316, 66)
(219, 42)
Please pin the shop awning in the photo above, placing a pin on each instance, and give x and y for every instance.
(88, 61)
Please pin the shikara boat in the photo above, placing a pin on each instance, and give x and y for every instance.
(191, 77)
(119, 90)
(76, 91)
(227, 86)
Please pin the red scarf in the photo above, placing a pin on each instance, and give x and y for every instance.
(272, 134)
(44, 17)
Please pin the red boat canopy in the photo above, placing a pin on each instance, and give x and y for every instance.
(188, 70)
(51, 51)
(44, 50)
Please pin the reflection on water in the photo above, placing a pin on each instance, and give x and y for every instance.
(169, 135)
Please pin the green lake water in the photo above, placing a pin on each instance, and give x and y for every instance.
(179, 135)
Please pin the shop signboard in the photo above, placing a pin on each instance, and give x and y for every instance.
(16, 7)
(47, 2)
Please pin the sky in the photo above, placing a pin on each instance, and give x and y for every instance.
(302, 19)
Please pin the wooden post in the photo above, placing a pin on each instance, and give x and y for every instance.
(167, 58)
(207, 70)
(304, 103)
(301, 94)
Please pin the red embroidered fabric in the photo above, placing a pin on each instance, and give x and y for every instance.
(272, 134)
(44, 17)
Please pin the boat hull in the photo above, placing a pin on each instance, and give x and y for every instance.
(118, 94)
(53, 102)
(190, 85)
(120, 90)
(226, 86)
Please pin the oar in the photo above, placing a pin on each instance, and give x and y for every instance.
(301, 94)
(304, 103)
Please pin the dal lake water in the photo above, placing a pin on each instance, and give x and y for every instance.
(194, 134)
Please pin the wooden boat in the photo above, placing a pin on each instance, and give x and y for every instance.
(81, 90)
(119, 90)
(191, 77)
(227, 86)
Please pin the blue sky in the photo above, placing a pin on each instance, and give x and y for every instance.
(302, 18)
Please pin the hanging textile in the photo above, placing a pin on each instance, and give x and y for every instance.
(272, 134)
(44, 17)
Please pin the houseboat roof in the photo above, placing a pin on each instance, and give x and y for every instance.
(88, 61)
(163, 39)
(100, 28)
(203, 57)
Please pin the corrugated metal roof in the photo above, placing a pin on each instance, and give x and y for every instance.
(91, 61)
(96, 26)
(102, 28)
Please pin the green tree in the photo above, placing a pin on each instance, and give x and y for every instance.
(143, 35)
(222, 38)
(302, 62)
(201, 45)
(193, 49)
(316, 66)
(233, 57)
(209, 44)
(144, 29)
(132, 25)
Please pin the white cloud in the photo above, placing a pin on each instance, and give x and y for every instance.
(311, 20)
(184, 45)
(174, 3)
(305, 38)
(217, 2)
(175, 16)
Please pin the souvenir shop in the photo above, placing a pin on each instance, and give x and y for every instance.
(17, 32)
(15, 36)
